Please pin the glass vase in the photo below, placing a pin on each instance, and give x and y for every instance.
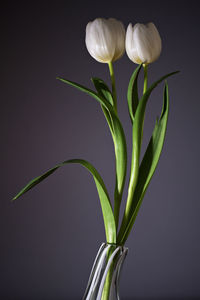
(103, 283)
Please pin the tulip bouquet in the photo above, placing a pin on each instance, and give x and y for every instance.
(106, 41)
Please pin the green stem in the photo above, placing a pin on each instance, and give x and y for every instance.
(107, 286)
(131, 190)
(145, 77)
(117, 196)
(145, 66)
(108, 281)
(134, 175)
(117, 203)
(112, 76)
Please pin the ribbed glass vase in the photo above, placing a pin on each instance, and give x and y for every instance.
(103, 282)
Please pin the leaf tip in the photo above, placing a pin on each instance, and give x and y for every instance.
(92, 79)
(166, 84)
(16, 197)
(176, 72)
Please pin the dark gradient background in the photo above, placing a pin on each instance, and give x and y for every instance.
(50, 237)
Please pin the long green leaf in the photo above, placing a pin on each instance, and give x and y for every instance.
(132, 93)
(102, 89)
(106, 105)
(137, 140)
(109, 220)
(104, 92)
(148, 164)
(119, 139)
(154, 149)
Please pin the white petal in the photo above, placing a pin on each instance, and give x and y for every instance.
(156, 40)
(143, 43)
(99, 40)
(128, 42)
(118, 31)
(131, 48)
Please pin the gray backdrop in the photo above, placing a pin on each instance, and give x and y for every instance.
(50, 237)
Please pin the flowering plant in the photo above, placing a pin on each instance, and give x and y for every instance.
(106, 41)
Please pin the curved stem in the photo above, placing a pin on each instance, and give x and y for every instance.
(112, 76)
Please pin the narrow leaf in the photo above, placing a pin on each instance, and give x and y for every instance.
(109, 220)
(104, 92)
(132, 93)
(105, 104)
(102, 89)
(137, 140)
(86, 90)
(149, 163)
(118, 137)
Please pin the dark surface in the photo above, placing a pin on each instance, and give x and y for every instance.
(50, 237)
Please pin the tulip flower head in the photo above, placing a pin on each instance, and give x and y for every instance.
(105, 39)
(143, 43)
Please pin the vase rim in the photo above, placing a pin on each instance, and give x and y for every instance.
(115, 245)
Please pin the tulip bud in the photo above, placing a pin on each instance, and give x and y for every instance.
(143, 43)
(105, 39)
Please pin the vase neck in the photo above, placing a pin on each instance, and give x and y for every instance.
(104, 278)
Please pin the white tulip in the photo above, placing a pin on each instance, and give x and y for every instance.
(143, 43)
(105, 39)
